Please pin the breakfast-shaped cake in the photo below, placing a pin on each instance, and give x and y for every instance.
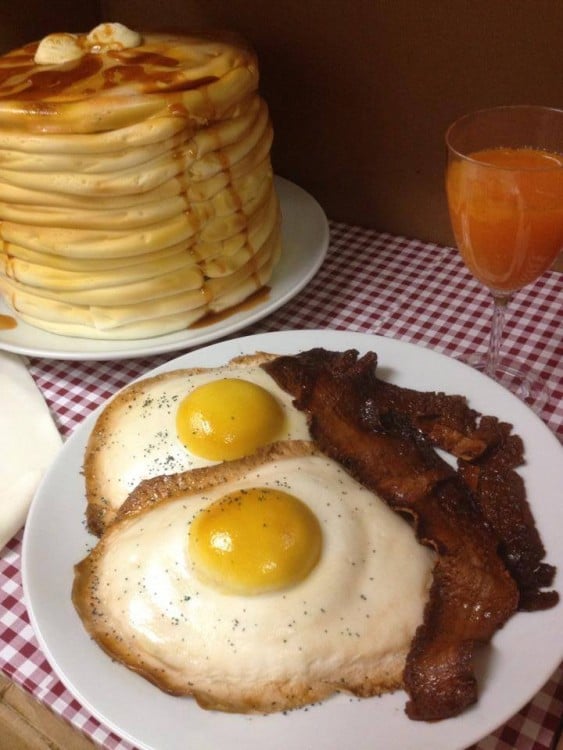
(136, 187)
(279, 528)
(280, 580)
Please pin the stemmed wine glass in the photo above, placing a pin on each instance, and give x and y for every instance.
(504, 184)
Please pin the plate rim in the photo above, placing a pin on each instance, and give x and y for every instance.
(292, 341)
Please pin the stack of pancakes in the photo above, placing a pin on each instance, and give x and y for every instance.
(136, 188)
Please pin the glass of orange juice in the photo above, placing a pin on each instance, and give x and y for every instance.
(504, 184)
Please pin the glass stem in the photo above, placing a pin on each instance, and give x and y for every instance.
(497, 328)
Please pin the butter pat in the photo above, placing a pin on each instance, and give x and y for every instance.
(112, 36)
(57, 49)
(60, 48)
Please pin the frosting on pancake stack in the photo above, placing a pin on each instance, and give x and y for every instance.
(136, 188)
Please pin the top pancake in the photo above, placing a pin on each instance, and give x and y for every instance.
(200, 77)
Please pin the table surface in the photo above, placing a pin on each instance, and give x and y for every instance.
(370, 282)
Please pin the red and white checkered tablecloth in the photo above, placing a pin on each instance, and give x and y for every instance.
(370, 282)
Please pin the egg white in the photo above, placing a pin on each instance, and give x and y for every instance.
(135, 436)
(348, 625)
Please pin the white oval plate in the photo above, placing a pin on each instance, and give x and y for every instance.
(512, 669)
(305, 234)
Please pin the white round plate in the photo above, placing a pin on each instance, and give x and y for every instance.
(305, 234)
(511, 670)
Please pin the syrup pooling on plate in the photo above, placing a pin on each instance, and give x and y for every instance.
(136, 188)
(7, 322)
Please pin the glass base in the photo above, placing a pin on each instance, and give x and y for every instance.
(521, 381)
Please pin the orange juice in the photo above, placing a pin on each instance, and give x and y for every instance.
(506, 208)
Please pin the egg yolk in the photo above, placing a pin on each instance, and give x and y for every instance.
(253, 541)
(227, 419)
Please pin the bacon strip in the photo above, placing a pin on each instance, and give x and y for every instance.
(500, 493)
(446, 420)
(488, 455)
(383, 436)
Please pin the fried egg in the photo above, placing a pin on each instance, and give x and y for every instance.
(257, 585)
(183, 420)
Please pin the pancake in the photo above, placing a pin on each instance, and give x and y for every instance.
(136, 185)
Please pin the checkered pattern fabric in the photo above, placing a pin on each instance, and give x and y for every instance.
(370, 282)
